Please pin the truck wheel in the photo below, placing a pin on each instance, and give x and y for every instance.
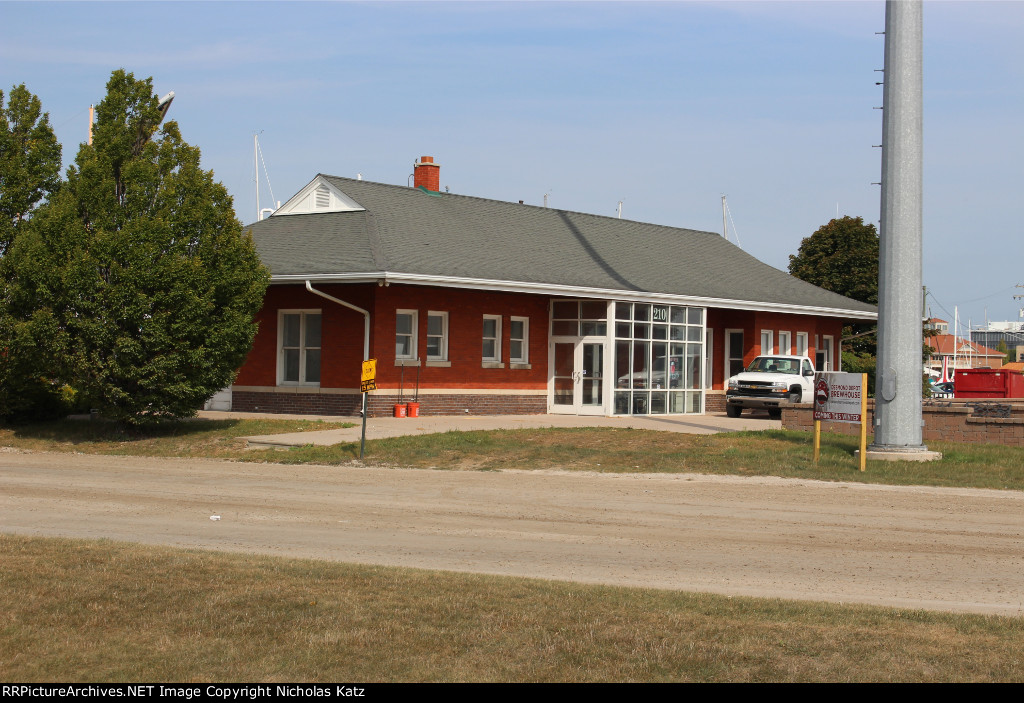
(795, 396)
(733, 410)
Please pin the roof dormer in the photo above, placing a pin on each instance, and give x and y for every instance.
(319, 196)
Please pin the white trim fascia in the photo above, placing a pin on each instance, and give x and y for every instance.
(415, 279)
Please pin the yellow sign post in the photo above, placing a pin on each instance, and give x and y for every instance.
(367, 383)
(863, 422)
(841, 397)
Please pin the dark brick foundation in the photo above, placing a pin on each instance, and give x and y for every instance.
(380, 405)
(714, 402)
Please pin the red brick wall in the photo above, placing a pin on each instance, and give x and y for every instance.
(752, 322)
(342, 340)
(465, 309)
(342, 334)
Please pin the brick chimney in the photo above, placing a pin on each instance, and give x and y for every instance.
(427, 174)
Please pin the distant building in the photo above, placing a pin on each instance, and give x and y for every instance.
(958, 353)
(1009, 333)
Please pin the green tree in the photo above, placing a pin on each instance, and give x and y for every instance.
(842, 256)
(137, 270)
(29, 160)
(29, 173)
(1009, 355)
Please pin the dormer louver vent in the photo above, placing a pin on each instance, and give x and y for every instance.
(323, 198)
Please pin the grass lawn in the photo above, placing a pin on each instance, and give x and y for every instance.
(93, 611)
(762, 453)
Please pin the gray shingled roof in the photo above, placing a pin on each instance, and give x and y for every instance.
(408, 231)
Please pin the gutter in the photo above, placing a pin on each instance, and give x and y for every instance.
(568, 291)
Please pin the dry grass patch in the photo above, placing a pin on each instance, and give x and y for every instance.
(104, 611)
(183, 438)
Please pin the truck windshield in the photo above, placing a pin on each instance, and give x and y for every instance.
(771, 364)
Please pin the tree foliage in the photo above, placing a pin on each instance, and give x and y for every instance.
(29, 173)
(29, 160)
(841, 256)
(1009, 355)
(135, 280)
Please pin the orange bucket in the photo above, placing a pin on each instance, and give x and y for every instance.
(414, 409)
(400, 409)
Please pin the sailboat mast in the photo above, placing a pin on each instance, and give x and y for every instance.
(256, 170)
(725, 222)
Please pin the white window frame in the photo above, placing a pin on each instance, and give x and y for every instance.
(801, 344)
(525, 357)
(770, 348)
(828, 351)
(413, 336)
(443, 346)
(303, 314)
(709, 356)
(785, 347)
(496, 319)
(728, 361)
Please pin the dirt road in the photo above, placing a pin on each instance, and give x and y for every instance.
(944, 549)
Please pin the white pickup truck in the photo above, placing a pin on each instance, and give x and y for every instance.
(769, 383)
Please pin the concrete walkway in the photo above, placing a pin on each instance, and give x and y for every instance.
(379, 427)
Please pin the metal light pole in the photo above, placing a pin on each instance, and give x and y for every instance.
(898, 388)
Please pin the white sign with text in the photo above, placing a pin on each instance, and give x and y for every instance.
(837, 397)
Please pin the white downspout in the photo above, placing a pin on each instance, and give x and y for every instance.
(365, 313)
(366, 349)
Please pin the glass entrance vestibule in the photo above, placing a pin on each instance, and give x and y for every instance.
(617, 358)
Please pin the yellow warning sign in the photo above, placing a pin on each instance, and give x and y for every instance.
(368, 381)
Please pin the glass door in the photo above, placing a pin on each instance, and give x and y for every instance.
(564, 387)
(578, 377)
(591, 385)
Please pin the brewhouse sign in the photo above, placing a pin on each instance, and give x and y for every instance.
(837, 397)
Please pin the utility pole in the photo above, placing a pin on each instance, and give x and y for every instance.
(898, 414)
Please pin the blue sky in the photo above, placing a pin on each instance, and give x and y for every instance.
(665, 106)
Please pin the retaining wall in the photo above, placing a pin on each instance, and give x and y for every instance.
(944, 420)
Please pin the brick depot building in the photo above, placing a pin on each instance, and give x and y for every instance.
(493, 307)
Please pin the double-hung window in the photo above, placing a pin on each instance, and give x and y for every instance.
(519, 340)
(823, 354)
(299, 344)
(785, 343)
(437, 336)
(733, 352)
(405, 334)
(801, 344)
(492, 338)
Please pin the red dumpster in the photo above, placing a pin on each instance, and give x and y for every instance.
(988, 383)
